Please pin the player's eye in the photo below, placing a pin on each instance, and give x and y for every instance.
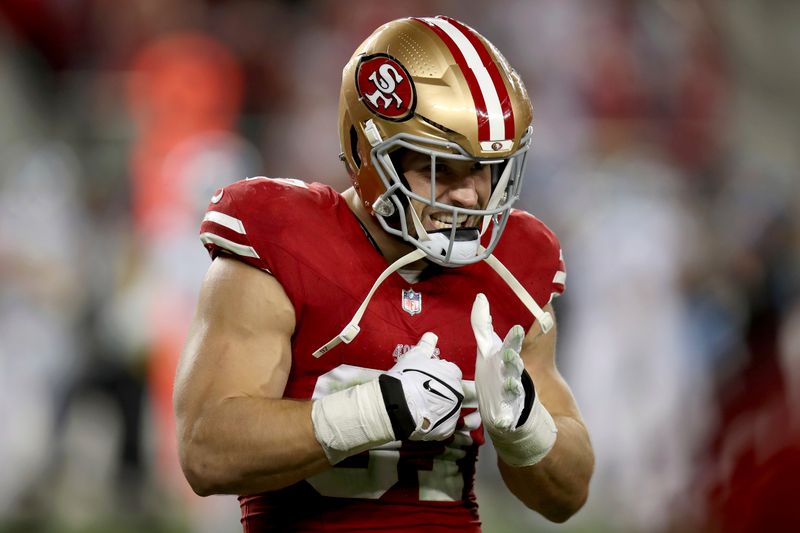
(444, 168)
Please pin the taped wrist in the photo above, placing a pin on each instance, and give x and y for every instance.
(533, 438)
(351, 421)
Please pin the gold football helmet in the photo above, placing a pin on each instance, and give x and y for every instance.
(438, 87)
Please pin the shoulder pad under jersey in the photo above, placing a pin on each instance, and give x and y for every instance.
(246, 218)
(542, 263)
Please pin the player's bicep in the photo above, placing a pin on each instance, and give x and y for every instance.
(539, 355)
(239, 342)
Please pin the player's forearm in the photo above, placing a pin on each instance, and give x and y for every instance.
(247, 445)
(557, 486)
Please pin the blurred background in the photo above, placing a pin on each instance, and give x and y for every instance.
(666, 158)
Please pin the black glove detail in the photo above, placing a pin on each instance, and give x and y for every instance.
(530, 395)
(395, 401)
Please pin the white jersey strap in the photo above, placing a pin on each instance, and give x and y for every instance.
(352, 329)
(545, 319)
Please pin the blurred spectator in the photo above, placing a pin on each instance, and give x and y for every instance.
(185, 96)
(41, 222)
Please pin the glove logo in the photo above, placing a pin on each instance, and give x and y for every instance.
(385, 87)
(427, 387)
(454, 398)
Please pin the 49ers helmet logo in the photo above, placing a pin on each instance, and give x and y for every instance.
(385, 87)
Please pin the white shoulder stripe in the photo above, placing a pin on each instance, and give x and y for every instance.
(225, 220)
(493, 108)
(560, 277)
(225, 244)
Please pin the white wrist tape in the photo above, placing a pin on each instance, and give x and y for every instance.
(351, 421)
(529, 443)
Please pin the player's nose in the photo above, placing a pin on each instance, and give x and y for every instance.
(464, 192)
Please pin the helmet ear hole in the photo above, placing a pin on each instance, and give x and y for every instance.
(397, 160)
(354, 147)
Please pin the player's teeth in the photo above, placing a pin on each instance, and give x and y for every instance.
(446, 221)
(440, 225)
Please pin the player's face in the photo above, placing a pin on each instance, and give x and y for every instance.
(458, 183)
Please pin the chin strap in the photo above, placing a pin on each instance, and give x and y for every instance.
(544, 319)
(422, 233)
(352, 329)
(497, 196)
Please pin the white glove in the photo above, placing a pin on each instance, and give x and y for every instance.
(498, 370)
(520, 427)
(432, 393)
(419, 398)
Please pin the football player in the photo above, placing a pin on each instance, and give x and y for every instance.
(351, 352)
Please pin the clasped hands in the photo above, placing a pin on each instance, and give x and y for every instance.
(420, 398)
(433, 391)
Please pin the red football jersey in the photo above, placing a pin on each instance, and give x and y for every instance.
(306, 236)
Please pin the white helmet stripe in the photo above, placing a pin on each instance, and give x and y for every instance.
(494, 109)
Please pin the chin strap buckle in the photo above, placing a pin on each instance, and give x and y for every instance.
(346, 336)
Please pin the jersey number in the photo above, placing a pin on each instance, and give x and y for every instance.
(443, 482)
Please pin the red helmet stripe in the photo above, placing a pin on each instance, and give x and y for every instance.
(492, 104)
(469, 75)
(494, 72)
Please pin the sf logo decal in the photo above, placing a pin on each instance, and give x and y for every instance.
(385, 87)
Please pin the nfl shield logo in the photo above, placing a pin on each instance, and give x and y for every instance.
(412, 302)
